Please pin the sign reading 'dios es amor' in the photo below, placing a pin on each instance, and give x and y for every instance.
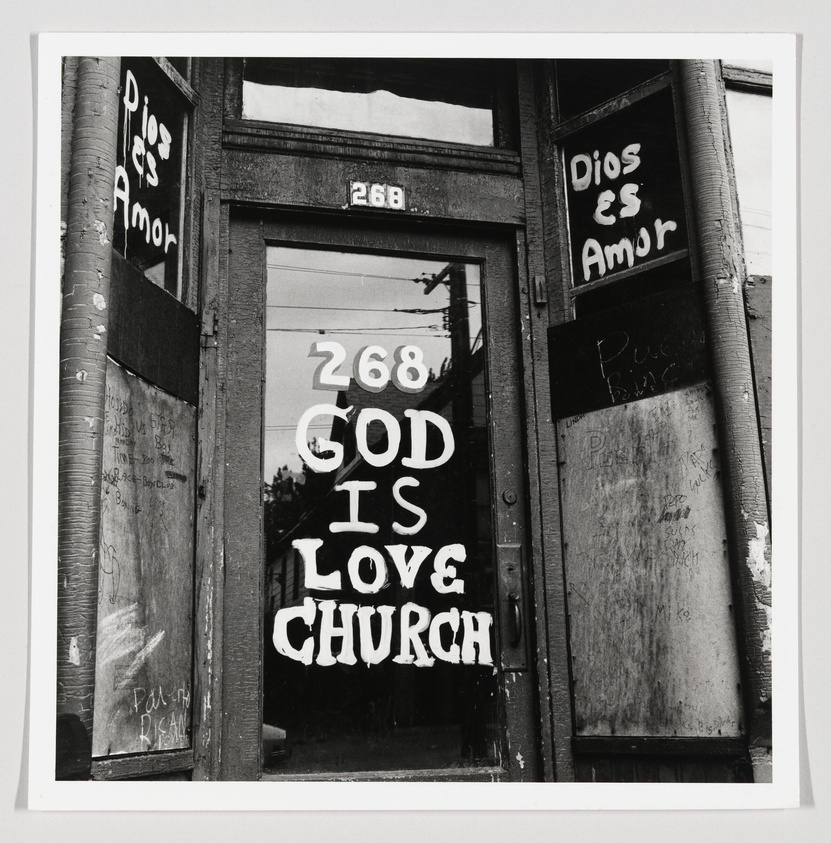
(408, 633)
(148, 175)
(623, 186)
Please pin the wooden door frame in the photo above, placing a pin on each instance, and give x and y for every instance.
(239, 452)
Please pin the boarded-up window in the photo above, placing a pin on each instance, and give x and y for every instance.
(653, 648)
(652, 642)
(145, 596)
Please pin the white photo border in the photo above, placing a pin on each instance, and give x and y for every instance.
(44, 793)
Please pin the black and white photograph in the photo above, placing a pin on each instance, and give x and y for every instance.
(415, 413)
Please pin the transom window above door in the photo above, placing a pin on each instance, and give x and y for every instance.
(452, 100)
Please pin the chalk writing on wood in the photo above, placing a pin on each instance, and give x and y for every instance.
(639, 350)
(652, 639)
(145, 586)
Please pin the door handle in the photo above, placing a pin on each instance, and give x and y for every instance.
(515, 618)
(512, 620)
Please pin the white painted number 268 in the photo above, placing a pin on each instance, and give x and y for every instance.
(377, 195)
(371, 373)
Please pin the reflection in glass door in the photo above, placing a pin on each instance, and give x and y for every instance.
(379, 647)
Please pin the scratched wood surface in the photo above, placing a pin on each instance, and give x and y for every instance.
(652, 640)
(145, 594)
(242, 623)
(260, 177)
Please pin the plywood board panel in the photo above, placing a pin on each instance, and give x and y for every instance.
(145, 595)
(652, 640)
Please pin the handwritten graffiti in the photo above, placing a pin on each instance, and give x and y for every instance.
(163, 717)
(145, 580)
(701, 465)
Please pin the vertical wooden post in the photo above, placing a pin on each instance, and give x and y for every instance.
(83, 365)
(546, 257)
(722, 275)
(210, 244)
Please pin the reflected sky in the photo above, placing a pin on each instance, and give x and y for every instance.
(355, 300)
(380, 112)
(751, 135)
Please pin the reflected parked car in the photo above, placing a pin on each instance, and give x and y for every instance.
(276, 751)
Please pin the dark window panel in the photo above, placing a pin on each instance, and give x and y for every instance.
(585, 83)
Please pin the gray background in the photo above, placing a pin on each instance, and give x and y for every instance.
(22, 20)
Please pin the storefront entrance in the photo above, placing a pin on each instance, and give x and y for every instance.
(375, 503)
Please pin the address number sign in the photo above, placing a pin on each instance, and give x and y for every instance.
(375, 195)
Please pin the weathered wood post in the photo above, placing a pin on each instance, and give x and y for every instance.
(83, 366)
(723, 272)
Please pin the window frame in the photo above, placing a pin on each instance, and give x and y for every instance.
(311, 141)
(591, 117)
(129, 344)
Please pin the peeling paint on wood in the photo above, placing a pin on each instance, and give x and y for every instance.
(720, 257)
(323, 183)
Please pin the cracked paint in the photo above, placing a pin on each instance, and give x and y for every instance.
(756, 562)
(101, 228)
(733, 281)
(759, 569)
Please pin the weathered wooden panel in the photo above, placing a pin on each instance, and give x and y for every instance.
(652, 640)
(209, 241)
(311, 142)
(145, 595)
(323, 183)
(149, 764)
(242, 625)
(544, 539)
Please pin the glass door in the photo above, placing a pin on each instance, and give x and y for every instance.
(395, 634)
